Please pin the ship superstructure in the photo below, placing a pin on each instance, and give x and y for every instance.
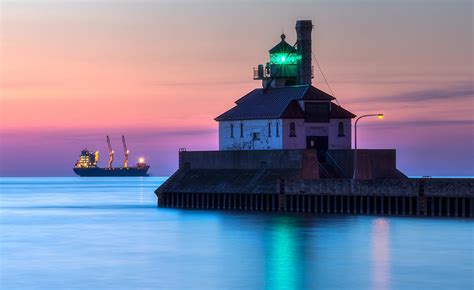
(87, 165)
(87, 159)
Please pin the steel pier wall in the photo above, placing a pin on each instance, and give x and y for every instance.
(433, 197)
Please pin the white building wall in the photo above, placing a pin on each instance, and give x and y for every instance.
(336, 141)
(247, 141)
(297, 142)
(316, 129)
(282, 138)
(330, 129)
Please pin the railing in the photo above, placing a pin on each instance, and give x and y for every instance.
(326, 173)
(333, 162)
(260, 73)
(265, 73)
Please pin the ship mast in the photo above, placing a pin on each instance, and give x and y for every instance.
(125, 150)
(111, 152)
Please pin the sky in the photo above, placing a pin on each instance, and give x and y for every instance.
(159, 72)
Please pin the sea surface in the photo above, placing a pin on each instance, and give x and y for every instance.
(107, 233)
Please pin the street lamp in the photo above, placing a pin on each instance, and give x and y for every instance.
(379, 116)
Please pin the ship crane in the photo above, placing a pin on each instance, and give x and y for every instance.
(125, 150)
(111, 152)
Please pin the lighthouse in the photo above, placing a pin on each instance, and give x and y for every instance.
(287, 112)
(278, 143)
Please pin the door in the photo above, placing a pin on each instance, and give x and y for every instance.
(320, 143)
(317, 142)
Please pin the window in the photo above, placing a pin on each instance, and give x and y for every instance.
(316, 112)
(340, 129)
(278, 129)
(292, 129)
(231, 130)
(241, 130)
(269, 129)
(255, 136)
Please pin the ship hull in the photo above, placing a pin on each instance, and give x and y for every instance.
(97, 171)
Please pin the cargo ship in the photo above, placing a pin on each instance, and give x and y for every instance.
(87, 165)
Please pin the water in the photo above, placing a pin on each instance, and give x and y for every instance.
(107, 233)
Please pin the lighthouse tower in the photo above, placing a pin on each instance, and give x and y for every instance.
(288, 64)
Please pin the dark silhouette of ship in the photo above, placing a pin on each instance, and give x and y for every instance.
(87, 164)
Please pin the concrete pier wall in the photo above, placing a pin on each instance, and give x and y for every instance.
(455, 197)
(288, 181)
(371, 164)
(244, 159)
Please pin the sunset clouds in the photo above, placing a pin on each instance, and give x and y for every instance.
(160, 71)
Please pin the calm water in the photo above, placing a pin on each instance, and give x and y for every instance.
(106, 233)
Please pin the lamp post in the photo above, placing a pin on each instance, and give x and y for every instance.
(380, 116)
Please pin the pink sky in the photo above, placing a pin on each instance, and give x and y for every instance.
(159, 72)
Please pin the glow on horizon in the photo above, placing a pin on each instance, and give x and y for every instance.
(70, 70)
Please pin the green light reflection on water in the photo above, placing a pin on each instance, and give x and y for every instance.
(283, 261)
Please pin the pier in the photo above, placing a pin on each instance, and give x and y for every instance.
(290, 181)
(287, 147)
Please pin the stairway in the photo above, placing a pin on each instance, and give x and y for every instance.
(329, 169)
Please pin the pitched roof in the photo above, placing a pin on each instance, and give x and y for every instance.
(316, 94)
(338, 112)
(293, 111)
(282, 47)
(271, 103)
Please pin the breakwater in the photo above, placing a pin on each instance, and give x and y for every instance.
(385, 197)
(290, 181)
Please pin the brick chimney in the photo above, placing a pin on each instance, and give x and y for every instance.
(303, 43)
